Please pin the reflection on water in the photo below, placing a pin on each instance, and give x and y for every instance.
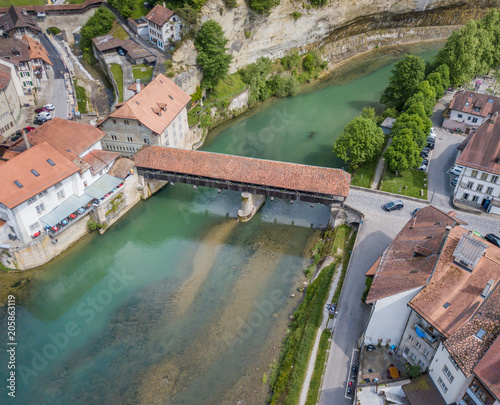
(178, 303)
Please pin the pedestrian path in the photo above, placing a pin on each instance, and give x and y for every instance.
(379, 171)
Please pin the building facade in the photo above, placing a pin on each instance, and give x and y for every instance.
(478, 184)
(164, 27)
(156, 115)
(10, 104)
(473, 109)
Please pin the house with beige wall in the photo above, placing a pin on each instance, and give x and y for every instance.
(156, 115)
(10, 104)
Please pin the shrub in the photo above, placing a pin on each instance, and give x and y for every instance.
(230, 3)
(99, 24)
(311, 61)
(54, 30)
(296, 15)
(291, 61)
(125, 7)
(197, 95)
(263, 6)
(168, 64)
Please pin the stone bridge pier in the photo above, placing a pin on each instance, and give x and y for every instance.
(250, 204)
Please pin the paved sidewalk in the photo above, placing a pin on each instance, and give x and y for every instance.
(379, 171)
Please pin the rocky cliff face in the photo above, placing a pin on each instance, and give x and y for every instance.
(345, 26)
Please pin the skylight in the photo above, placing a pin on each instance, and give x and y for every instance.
(171, 98)
(446, 305)
(35, 172)
(480, 334)
(18, 184)
(50, 162)
(490, 100)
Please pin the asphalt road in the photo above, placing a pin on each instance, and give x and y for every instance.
(57, 63)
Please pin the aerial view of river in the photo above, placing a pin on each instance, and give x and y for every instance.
(179, 303)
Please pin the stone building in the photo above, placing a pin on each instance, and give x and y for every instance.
(10, 104)
(156, 115)
(164, 27)
(15, 24)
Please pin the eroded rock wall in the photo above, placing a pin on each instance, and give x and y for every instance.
(252, 35)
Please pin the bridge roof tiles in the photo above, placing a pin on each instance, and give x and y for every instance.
(289, 176)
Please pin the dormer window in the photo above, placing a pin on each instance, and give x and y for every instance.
(477, 109)
(467, 104)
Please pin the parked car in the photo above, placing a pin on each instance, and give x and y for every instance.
(454, 181)
(41, 14)
(491, 237)
(422, 167)
(424, 154)
(425, 162)
(49, 107)
(121, 52)
(354, 371)
(44, 116)
(349, 387)
(16, 136)
(432, 134)
(40, 110)
(456, 170)
(430, 145)
(28, 129)
(38, 122)
(393, 205)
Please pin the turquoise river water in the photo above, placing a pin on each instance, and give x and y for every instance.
(178, 303)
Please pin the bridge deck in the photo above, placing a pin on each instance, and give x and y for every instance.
(243, 170)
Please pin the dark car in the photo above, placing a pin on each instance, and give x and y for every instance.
(38, 122)
(424, 154)
(393, 205)
(430, 145)
(354, 371)
(16, 136)
(491, 237)
(41, 109)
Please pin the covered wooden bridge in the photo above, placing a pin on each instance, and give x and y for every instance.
(256, 176)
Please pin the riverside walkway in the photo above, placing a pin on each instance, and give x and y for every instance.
(257, 176)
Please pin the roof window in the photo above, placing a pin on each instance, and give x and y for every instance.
(171, 98)
(35, 173)
(480, 334)
(487, 288)
(467, 104)
(468, 251)
(18, 184)
(446, 305)
(51, 162)
(490, 100)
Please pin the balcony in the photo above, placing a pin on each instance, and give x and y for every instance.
(427, 332)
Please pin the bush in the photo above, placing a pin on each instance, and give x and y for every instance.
(296, 15)
(54, 30)
(197, 95)
(368, 283)
(263, 6)
(99, 24)
(206, 121)
(168, 64)
(125, 7)
(291, 61)
(311, 61)
(230, 3)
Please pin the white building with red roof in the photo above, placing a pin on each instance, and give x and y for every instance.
(156, 115)
(164, 26)
(54, 181)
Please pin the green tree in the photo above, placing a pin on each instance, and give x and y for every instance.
(255, 75)
(436, 83)
(403, 152)
(388, 112)
(425, 95)
(369, 112)
(419, 128)
(99, 24)
(360, 141)
(491, 24)
(189, 17)
(291, 61)
(444, 72)
(311, 61)
(414, 371)
(125, 7)
(462, 53)
(406, 76)
(212, 57)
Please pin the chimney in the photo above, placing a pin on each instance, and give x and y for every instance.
(493, 118)
(138, 85)
(164, 5)
(25, 139)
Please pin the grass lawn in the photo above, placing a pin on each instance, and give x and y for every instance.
(364, 174)
(229, 86)
(312, 394)
(143, 72)
(8, 3)
(407, 183)
(139, 9)
(81, 96)
(194, 118)
(117, 72)
(74, 1)
(118, 32)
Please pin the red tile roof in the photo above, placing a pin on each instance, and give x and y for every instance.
(4, 76)
(466, 101)
(106, 42)
(283, 175)
(99, 159)
(488, 368)
(142, 106)
(460, 288)
(121, 168)
(19, 169)
(15, 19)
(483, 149)
(465, 346)
(36, 50)
(409, 260)
(68, 137)
(159, 15)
